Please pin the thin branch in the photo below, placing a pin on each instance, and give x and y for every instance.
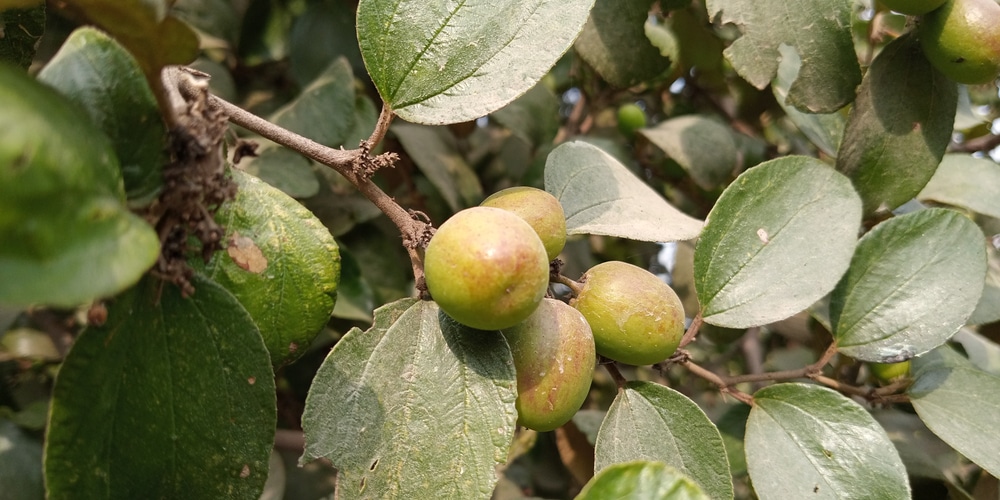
(719, 382)
(692, 331)
(616, 375)
(982, 143)
(381, 127)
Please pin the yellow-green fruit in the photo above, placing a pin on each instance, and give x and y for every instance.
(912, 7)
(554, 357)
(486, 268)
(539, 209)
(636, 317)
(887, 372)
(962, 40)
(630, 118)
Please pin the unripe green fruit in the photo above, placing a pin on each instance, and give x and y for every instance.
(486, 268)
(630, 118)
(887, 372)
(636, 317)
(539, 209)
(912, 7)
(962, 40)
(554, 357)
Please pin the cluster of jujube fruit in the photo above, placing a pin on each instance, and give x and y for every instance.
(488, 267)
(961, 38)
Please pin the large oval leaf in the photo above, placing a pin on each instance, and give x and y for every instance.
(825, 130)
(103, 78)
(614, 43)
(440, 61)
(171, 398)
(648, 421)
(600, 196)
(967, 182)
(65, 236)
(416, 407)
(281, 263)
(807, 441)
(960, 404)
(899, 126)
(702, 146)
(642, 479)
(913, 282)
(777, 240)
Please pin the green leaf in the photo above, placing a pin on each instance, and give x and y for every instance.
(824, 130)
(614, 43)
(438, 62)
(286, 170)
(641, 479)
(171, 398)
(281, 263)
(923, 453)
(899, 126)
(732, 427)
(819, 30)
(674, 430)
(216, 18)
(988, 309)
(436, 154)
(20, 463)
(325, 32)
(65, 236)
(416, 407)
(534, 116)
(600, 196)
(702, 146)
(355, 297)
(967, 182)
(100, 76)
(807, 441)
(777, 240)
(324, 111)
(960, 404)
(22, 29)
(982, 352)
(913, 282)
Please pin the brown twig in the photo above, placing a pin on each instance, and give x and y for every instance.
(692, 331)
(574, 286)
(616, 374)
(982, 143)
(720, 382)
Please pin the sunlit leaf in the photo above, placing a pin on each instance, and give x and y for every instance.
(824, 130)
(702, 146)
(967, 182)
(641, 479)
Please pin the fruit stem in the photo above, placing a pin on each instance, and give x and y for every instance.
(616, 374)
(574, 286)
(692, 331)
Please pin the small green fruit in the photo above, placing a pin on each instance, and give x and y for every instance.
(912, 7)
(636, 317)
(554, 357)
(539, 209)
(630, 119)
(887, 372)
(962, 40)
(486, 268)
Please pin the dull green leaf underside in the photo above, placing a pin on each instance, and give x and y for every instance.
(777, 240)
(436, 154)
(913, 282)
(642, 479)
(899, 126)
(416, 407)
(290, 294)
(648, 421)
(441, 61)
(614, 43)
(807, 441)
(171, 398)
(824, 130)
(967, 182)
(600, 196)
(960, 404)
(65, 234)
(819, 30)
(702, 146)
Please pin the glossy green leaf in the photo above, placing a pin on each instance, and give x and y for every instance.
(171, 398)
(829, 72)
(600, 196)
(614, 43)
(65, 235)
(913, 281)
(100, 76)
(416, 407)
(824, 130)
(702, 146)
(22, 28)
(674, 430)
(437, 62)
(899, 126)
(281, 263)
(20, 463)
(436, 154)
(967, 182)
(641, 479)
(807, 441)
(286, 170)
(960, 404)
(777, 240)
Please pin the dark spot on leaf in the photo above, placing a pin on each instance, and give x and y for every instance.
(362, 487)
(374, 465)
(816, 489)
(828, 453)
(959, 60)
(292, 347)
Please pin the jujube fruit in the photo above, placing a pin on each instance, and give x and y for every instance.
(539, 209)
(636, 317)
(962, 40)
(554, 357)
(887, 372)
(630, 119)
(486, 268)
(912, 7)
